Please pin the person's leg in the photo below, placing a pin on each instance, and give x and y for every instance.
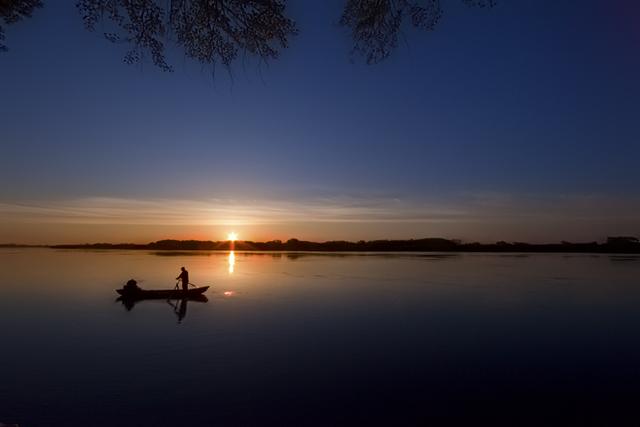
(185, 286)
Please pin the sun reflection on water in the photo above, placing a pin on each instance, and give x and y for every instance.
(232, 261)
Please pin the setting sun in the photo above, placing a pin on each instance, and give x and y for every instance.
(436, 199)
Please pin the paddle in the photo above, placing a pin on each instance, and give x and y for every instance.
(178, 282)
(169, 299)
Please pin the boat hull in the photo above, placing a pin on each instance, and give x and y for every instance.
(163, 293)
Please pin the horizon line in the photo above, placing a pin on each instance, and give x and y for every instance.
(294, 240)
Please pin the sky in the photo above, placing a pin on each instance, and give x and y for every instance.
(518, 123)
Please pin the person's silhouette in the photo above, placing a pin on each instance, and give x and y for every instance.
(184, 276)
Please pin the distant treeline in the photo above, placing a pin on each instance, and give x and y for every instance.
(612, 245)
(18, 245)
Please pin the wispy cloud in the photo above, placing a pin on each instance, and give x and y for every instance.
(222, 212)
(462, 208)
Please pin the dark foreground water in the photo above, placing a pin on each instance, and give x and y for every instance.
(295, 339)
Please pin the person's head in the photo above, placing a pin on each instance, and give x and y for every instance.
(182, 268)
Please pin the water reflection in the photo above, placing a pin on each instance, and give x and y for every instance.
(180, 309)
(179, 305)
(232, 261)
(438, 339)
(624, 258)
(297, 255)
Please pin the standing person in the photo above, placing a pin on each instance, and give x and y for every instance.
(184, 276)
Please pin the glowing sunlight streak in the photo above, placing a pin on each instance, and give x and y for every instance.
(232, 262)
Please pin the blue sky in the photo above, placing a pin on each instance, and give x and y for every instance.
(519, 122)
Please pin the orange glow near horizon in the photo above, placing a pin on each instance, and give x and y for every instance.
(232, 237)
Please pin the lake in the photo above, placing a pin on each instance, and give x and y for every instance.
(320, 339)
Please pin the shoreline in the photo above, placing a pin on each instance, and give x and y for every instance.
(614, 245)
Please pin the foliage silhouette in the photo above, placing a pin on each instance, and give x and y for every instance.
(216, 31)
(376, 24)
(12, 11)
(209, 31)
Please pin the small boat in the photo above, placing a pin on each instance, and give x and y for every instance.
(195, 293)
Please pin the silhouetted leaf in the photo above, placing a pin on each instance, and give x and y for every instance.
(12, 11)
(376, 24)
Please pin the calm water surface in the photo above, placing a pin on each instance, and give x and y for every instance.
(299, 339)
